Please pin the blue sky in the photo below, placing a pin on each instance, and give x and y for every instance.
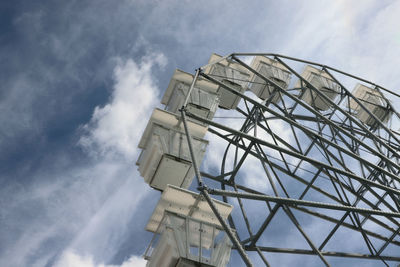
(79, 80)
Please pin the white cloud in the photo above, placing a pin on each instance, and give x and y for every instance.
(89, 207)
(116, 127)
(359, 38)
(92, 205)
(72, 259)
(114, 130)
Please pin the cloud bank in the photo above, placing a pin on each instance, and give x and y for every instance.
(116, 127)
(89, 209)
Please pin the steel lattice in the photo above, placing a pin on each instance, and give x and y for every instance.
(324, 174)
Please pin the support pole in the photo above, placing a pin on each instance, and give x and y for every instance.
(231, 235)
(295, 202)
(192, 155)
(204, 192)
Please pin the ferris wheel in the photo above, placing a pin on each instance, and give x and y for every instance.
(302, 165)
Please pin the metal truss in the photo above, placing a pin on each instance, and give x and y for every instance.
(327, 176)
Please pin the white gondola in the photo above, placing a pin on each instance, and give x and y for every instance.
(187, 233)
(373, 101)
(203, 101)
(231, 74)
(165, 157)
(323, 82)
(272, 70)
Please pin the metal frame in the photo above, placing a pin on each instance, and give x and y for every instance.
(184, 247)
(357, 164)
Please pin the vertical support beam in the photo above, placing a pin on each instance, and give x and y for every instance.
(202, 189)
(231, 235)
(191, 88)
(192, 155)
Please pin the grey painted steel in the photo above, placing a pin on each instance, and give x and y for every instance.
(295, 202)
(372, 234)
(313, 63)
(335, 139)
(325, 253)
(191, 88)
(310, 108)
(231, 235)
(309, 185)
(207, 197)
(314, 213)
(312, 161)
(192, 154)
(305, 129)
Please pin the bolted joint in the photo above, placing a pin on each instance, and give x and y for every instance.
(202, 187)
(182, 109)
